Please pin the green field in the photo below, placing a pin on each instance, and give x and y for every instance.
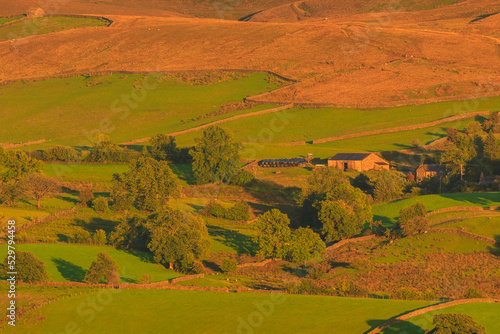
(9, 19)
(171, 311)
(485, 223)
(485, 314)
(71, 111)
(388, 212)
(84, 172)
(68, 262)
(45, 25)
(21, 216)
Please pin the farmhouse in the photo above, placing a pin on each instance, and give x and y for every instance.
(360, 162)
(426, 171)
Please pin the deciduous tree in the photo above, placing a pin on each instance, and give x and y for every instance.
(103, 269)
(28, 267)
(273, 234)
(39, 186)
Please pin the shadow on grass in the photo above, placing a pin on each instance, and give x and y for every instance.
(69, 271)
(97, 223)
(495, 249)
(184, 172)
(403, 327)
(143, 256)
(242, 243)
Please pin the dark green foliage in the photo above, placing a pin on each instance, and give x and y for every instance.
(243, 178)
(344, 212)
(304, 244)
(100, 204)
(99, 237)
(81, 237)
(177, 237)
(229, 265)
(164, 148)
(215, 156)
(105, 151)
(15, 164)
(103, 270)
(273, 234)
(85, 196)
(319, 183)
(459, 154)
(239, 211)
(151, 183)
(456, 324)
(39, 186)
(389, 186)
(9, 191)
(28, 267)
(122, 202)
(363, 182)
(132, 233)
(472, 293)
(61, 153)
(413, 219)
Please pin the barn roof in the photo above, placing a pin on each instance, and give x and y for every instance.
(350, 156)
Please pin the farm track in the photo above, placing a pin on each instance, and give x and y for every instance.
(390, 130)
(424, 310)
(197, 128)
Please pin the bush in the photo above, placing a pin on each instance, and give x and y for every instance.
(103, 269)
(472, 293)
(240, 211)
(243, 178)
(81, 237)
(99, 237)
(85, 196)
(145, 279)
(100, 204)
(60, 153)
(122, 202)
(456, 324)
(229, 265)
(29, 268)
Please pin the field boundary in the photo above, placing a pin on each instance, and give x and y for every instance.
(428, 309)
(15, 145)
(463, 233)
(347, 241)
(463, 208)
(396, 129)
(224, 120)
(68, 74)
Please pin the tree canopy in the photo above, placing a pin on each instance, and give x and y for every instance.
(28, 267)
(215, 156)
(344, 212)
(273, 234)
(177, 237)
(456, 324)
(39, 186)
(151, 182)
(103, 269)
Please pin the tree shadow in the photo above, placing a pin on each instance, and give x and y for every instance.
(403, 327)
(97, 223)
(143, 256)
(495, 249)
(68, 270)
(184, 172)
(196, 207)
(243, 244)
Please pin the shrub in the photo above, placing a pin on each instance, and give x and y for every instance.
(85, 196)
(60, 153)
(122, 202)
(100, 204)
(240, 211)
(472, 293)
(103, 269)
(81, 237)
(99, 237)
(243, 178)
(456, 324)
(145, 279)
(229, 265)
(29, 268)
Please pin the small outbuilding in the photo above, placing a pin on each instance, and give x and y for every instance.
(426, 171)
(360, 162)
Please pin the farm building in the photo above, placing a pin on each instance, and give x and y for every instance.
(426, 171)
(360, 162)
(293, 162)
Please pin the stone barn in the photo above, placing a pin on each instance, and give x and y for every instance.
(35, 13)
(360, 162)
(426, 171)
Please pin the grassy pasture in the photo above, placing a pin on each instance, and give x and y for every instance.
(415, 246)
(68, 262)
(71, 111)
(212, 312)
(307, 124)
(21, 216)
(44, 25)
(485, 314)
(83, 172)
(388, 212)
(9, 19)
(482, 223)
